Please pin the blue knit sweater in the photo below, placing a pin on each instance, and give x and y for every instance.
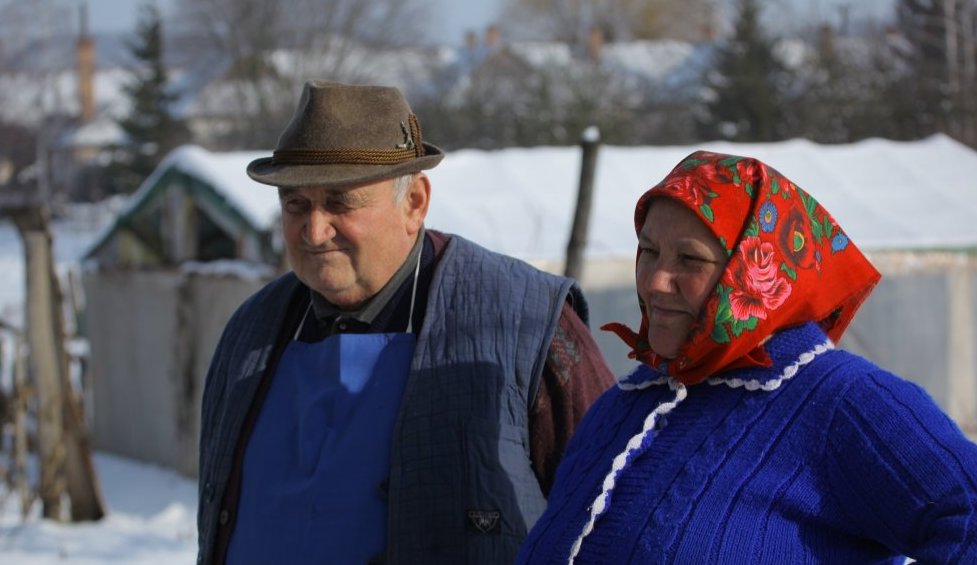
(823, 459)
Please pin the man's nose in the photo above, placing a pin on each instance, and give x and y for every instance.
(319, 228)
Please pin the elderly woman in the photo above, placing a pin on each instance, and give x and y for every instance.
(745, 436)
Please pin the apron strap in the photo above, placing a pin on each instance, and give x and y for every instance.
(413, 293)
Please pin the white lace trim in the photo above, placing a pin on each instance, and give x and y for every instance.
(600, 503)
(787, 374)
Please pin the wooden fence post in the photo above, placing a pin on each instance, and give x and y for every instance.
(589, 143)
(64, 449)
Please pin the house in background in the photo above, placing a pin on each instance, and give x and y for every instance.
(188, 248)
(192, 209)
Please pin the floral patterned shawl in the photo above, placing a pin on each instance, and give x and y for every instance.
(789, 263)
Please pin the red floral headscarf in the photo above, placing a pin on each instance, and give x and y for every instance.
(789, 263)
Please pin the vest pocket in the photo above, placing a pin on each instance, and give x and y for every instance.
(503, 498)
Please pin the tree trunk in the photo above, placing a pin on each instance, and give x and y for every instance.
(44, 368)
(21, 397)
(65, 451)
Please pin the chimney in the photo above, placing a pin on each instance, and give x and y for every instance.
(594, 43)
(493, 36)
(827, 39)
(471, 40)
(86, 69)
(708, 29)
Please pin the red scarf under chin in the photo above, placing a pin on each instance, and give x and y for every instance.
(789, 263)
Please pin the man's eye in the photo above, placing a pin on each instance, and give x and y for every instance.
(295, 206)
(337, 206)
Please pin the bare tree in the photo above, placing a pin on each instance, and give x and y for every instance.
(65, 453)
(266, 50)
(26, 27)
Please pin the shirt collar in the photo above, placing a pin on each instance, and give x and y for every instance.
(325, 310)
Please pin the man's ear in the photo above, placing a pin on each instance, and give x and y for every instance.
(416, 202)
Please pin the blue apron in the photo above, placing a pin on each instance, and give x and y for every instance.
(319, 454)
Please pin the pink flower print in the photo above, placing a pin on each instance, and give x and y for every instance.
(687, 189)
(756, 285)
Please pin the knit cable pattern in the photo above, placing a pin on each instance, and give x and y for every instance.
(638, 441)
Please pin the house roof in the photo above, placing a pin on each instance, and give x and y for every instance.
(226, 172)
(218, 180)
(887, 195)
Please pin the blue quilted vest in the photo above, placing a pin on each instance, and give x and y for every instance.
(461, 487)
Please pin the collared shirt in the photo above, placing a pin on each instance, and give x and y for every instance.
(334, 320)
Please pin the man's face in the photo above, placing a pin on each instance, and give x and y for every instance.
(346, 243)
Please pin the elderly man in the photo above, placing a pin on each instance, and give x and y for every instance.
(402, 395)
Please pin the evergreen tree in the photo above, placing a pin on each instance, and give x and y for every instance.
(847, 89)
(748, 85)
(150, 127)
(941, 55)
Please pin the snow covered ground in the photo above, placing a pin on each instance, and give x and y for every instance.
(151, 520)
(151, 511)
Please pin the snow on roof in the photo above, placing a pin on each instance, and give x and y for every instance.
(227, 173)
(886, 194)
(658, 60)
(543, 53)
(103, 131)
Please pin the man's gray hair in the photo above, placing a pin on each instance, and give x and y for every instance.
(401, 184)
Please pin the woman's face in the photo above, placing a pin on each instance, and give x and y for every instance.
(679, 264)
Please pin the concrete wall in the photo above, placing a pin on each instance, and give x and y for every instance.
(152, 334)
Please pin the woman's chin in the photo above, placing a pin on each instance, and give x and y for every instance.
(667, 353)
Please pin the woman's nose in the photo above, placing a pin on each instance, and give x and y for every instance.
(659, 278)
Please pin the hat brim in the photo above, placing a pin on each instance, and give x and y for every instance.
(266, 171)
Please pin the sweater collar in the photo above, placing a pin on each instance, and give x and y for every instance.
(788, 349)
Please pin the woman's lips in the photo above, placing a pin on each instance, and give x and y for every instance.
(666, 312)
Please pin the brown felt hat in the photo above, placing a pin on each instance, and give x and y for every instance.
(345, 135)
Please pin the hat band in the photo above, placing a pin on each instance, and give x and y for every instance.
(411, 148)
(342, 156)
